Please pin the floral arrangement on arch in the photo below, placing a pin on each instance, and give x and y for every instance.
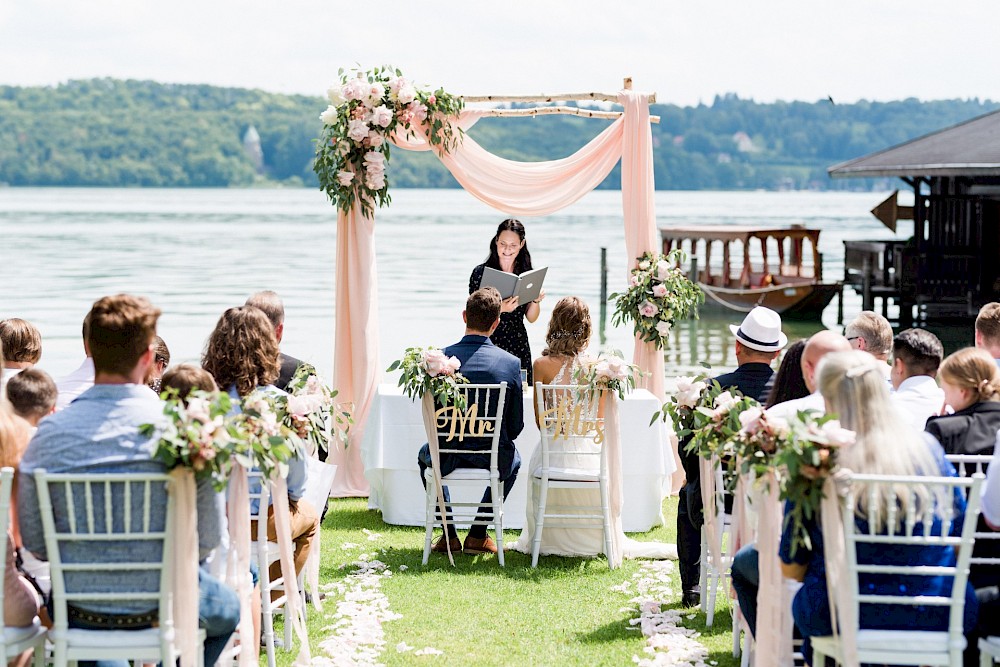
(608, 372)
(365, 110)
(430, 370)
(658, 295)
(312, 412)
(197, 435)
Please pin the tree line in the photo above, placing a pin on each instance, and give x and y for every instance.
(107, 132)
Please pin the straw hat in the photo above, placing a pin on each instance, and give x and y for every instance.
(761, 330)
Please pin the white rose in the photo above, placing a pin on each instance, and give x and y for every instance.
(197, 408)
(663, 269)
(688, 391)
(336, 95)
(435, 362)
(375, 180)
(357, 130)
(375, 92)
(355, 89)
(663, 328)
(659, 290)
(644, 265)
(725, 401)
(407, 93)
(329, 117)
(375, 139)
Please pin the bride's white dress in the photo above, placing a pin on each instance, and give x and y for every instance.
(587, 540)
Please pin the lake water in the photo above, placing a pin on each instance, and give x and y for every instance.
(194, 253)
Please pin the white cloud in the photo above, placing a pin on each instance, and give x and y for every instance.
(685, 51)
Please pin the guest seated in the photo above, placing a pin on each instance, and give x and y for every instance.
(99, 433)
(161, 359)
(853, 387)
(988, 329)
(482, 363)
(242, 356)
(22, 344)
(817, 347)
(72, 385)
(916, 355)
(788, 383)
(32, 394)
(970, 381)
(872, 333)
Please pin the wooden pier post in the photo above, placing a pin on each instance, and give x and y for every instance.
(604, 297)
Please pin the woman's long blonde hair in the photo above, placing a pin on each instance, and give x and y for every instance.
(854, 387)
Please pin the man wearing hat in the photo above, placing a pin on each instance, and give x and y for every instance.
(758, 342)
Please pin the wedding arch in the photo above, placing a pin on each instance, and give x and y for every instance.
(513, 188)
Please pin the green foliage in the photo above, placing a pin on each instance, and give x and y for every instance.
(429, 370)
(107, 132)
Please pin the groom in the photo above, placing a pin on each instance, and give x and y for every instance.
(483, 363)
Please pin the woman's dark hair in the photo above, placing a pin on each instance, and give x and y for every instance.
(522, 262)
(788, 381)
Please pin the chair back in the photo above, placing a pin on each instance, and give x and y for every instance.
(260, 502)
(477, 427)
(572, 429)
(107, 542)
(987, 546)
(945, 528)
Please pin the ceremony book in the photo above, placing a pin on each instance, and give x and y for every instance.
(526, 287)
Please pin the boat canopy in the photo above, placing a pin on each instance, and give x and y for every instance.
(756, 265)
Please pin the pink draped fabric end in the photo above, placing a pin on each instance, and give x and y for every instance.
(238, 558)
(430, 429)
(842, 610)
(295, 612)
(774, 611)
(612, 430)
(356, 369)
(184, 563)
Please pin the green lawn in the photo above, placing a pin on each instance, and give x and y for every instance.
(562, 613)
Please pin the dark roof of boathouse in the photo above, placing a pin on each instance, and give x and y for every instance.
(971, 148)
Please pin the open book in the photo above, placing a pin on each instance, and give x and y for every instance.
(526, 287)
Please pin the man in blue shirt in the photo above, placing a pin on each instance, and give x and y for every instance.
(99, 433)
(483, 363)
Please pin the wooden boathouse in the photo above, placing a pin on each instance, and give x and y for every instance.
(951, 266)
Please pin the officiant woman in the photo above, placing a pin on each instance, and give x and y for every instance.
(509, 252)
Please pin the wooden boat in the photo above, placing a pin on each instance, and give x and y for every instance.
(792, 285)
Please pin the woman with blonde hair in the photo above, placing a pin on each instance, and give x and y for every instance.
(853, 386)
(971, 382)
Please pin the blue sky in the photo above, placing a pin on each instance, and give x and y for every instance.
(684, 51)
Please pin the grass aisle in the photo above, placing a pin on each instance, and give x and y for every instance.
(568, 611)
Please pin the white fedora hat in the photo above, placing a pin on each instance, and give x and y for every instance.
(761, 330)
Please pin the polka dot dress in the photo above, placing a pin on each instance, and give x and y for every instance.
(511, 335)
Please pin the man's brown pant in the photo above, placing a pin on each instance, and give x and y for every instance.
(304, 523)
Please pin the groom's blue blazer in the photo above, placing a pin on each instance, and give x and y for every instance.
(485, 363)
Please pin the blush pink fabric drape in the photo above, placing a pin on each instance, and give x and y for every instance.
(515, 188)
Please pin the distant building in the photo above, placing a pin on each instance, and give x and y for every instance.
(251, 146)
(743, 142)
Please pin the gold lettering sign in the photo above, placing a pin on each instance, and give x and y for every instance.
(567, 419)
(462, 424)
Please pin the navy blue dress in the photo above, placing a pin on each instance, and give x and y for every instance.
(811, 606)
(510, 336)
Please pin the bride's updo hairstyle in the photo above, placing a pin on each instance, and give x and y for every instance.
(973, 368)
(569, 328)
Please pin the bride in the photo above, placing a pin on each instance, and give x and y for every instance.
(566, 341)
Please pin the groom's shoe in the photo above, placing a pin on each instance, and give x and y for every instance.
(479, 545)
(691, 598)
(441, 546)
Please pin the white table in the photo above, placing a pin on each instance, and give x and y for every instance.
(395, 433)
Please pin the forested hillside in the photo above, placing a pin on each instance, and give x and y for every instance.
(106, 132)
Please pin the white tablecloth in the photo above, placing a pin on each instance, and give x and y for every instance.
(395, 433)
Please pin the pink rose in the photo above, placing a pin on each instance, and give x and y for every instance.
(406, 93)
(382, 115)
(418, 110)
(375, 92)
(197, 408)
(375, 180)
(750, 420)
(633, 281)
(355, 89)
(659, 291)
(375, 139)
(689, 391)
(663, 269)
(345, 177)
(432, 99)
(648, 309)
(357, 130)
(437, 363)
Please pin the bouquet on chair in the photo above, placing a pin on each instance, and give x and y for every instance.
(312, 412)
(716, 422)
(197, 435)
(805, 457)
(658, 295)
(266, 441)
(680, 407)
(430, 370)
(758, 441)
(608, 372)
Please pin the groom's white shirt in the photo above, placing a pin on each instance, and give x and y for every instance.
(917, 398)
